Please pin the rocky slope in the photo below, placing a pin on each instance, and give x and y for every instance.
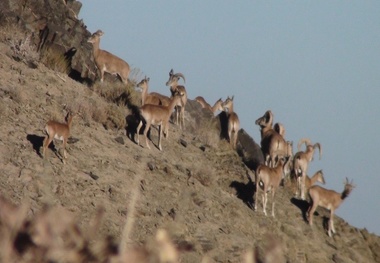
(113, 194)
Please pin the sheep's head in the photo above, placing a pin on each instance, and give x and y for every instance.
(227, 104)
(266, 120)
(174, 78)
(348, 187)
(143, 82)
(94, 37)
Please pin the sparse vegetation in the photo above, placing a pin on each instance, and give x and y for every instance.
(55, 60)
(76, 214)
(19, 41)
(15, 93)
(117, 93)
(207, 133)
(205, 175)
(115, 117)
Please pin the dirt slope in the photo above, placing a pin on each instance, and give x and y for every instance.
(200, 194)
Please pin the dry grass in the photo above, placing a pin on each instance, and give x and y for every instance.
(55, 60)
(115, 117)
(110, 91)
(205, 175)
(15, 93)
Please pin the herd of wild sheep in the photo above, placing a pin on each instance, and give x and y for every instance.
(280, 163)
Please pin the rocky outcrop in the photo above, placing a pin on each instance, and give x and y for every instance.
(54, 25)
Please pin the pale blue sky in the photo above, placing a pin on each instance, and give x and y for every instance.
(314, 64)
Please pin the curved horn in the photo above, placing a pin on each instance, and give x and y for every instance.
(319, 148)
(303, 140)
(269, 117)
(279, 128)
(181, 76)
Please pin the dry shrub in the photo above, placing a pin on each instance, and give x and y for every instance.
(205, 175)
(207, 133)
(135, 76)
(115, 117)
(117, 92)
(99, 115)
(55, 60)
(17, 94)
(56, 114)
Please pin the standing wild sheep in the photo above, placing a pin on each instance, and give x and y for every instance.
(268, 179)
(59, 131)
(328, 199)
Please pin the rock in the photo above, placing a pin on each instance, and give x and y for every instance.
(151, 166)
(183, 142)
(120, 140)
(54, 26)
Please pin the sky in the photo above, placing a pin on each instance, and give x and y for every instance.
(314, 64)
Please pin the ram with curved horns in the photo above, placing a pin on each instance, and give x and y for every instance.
(301, 162)
(273, 144)
(175, 88)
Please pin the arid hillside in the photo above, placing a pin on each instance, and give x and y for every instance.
(116, 201)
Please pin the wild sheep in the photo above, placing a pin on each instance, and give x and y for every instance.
(156, 115)
(153, 97)
(107, 62)
(59, 131)
(269, 179)
(301, 162)
(309, 181)
(175, 88)
(233, 121)
(272, 143)
(328, 199)
(217, 106)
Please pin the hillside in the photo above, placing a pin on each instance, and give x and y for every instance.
(113, 192)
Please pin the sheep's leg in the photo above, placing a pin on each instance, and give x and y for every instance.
(311, 212)
(273, 193)
(257, 193)
(298, 187)
(332, 227)
(159, 137)
(138, 132)
(265, 199)
(48, 139)
(146, 134)
(64, 151)
(182, 118)
(235, 139)
(303, 179)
